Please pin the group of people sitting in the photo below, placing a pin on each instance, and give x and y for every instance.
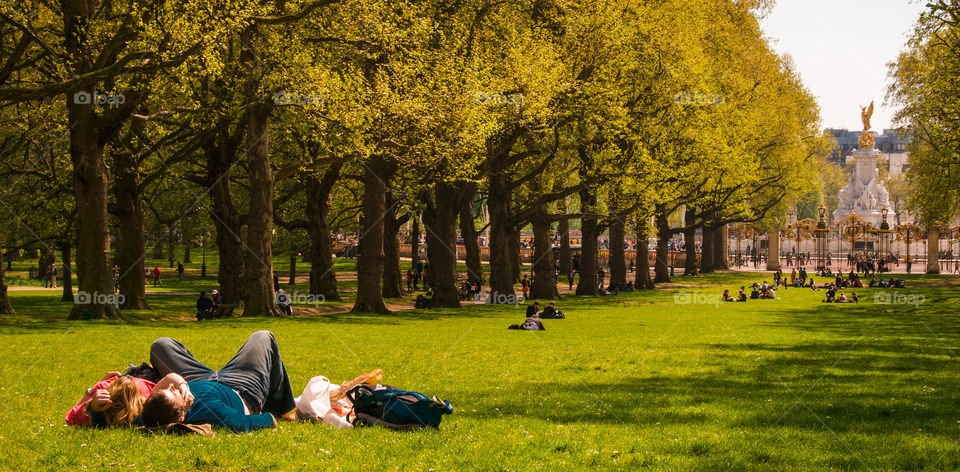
(832, 296)
(469, 290)
(534, 315)
(892, 283)
(209, 307)
(252, 391)
(758, 292)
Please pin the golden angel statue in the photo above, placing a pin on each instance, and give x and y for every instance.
(865, 114)
(866, 139)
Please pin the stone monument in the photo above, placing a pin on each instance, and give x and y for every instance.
(865, 194)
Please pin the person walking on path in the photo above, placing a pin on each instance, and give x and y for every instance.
(156, 276)
(179, 272)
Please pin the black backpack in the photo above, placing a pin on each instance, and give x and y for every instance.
(397, 409)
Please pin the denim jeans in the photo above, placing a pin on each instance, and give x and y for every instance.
(256, 372)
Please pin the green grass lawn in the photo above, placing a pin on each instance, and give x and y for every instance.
(626, 382)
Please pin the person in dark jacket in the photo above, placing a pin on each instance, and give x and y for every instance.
(204, 305)
(533, 309)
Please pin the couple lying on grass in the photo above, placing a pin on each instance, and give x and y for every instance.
(249, 393)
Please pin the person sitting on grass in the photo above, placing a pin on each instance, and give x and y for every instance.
(813, 285)
(249, 393)
(726, 296)
(283, 302)
(842, 298)
(755, 294)
(204, 306)
(853, 298)
(742, 296)
(831, 294)
(533, 309)
(217, 298)
(466, 290)
(550, 312)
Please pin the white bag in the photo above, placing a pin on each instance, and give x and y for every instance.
(314, 403)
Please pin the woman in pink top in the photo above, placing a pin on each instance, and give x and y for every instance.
(119, 397)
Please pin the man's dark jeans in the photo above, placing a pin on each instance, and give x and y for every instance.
(256, 372)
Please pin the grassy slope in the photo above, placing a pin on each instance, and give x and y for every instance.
(628, 381)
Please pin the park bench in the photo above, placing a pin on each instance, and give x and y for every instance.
(224, 310)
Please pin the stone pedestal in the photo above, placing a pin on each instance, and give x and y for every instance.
(773, 249)
(864, 194)
(933, 251)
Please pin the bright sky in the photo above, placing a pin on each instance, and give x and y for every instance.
(841, 49)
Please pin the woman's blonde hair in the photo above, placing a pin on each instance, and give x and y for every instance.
(127, 402)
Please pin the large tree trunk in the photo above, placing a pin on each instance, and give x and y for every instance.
(415, 241)
(292, 274)
(5, 307)
(544, 271)
(707, 257)
(933, 251)
(721, 251)
(323, 278)
(690, 265)
(67, 273)
(588, 283)
(259, 297)
(642, 279)
(618, 264)
(661, 265)
(392, 275)
(469, 234)
(90, 184)
(186, 227)
(157, 249)
(370, 245)
(516, 256)
(440, 225)
(563, 229)
(221, 155)
(501, 237)
(130, 251)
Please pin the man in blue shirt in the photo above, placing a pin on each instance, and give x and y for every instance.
(247, 394)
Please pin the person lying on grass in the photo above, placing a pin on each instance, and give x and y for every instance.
(247, 394)
(116, 400)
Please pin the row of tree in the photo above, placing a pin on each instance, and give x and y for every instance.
(266, 125)
(924, 86)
